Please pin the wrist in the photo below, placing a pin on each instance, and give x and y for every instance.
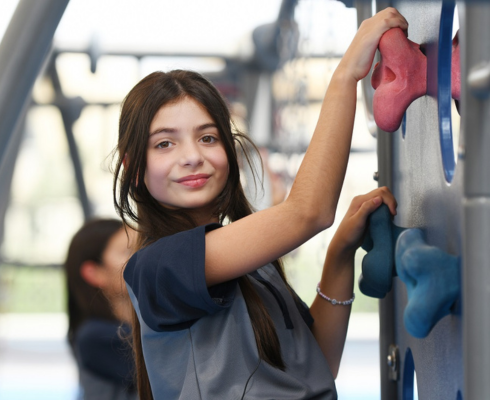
(343, 76)
(340, 262)
(335, 302)
(341, 253)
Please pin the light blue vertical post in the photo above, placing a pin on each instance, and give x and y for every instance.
(475, 79)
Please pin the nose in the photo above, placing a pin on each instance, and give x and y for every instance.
(191, 155)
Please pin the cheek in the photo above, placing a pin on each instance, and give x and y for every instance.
(151, 170)
(155, 172)
(221, 161)
(223, 166)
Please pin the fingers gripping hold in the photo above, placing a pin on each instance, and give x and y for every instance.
(378, 265)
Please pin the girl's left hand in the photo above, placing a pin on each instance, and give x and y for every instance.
(358, 58)
(349, 235)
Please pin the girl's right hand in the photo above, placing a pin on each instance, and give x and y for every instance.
(358, 58)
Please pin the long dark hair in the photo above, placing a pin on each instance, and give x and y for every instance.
(137, 207)
(83, 300)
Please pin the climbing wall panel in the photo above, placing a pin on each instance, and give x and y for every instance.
(427, 179)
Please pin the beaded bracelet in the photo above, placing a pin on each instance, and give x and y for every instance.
(333, 301)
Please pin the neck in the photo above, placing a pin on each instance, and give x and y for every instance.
(203, 216)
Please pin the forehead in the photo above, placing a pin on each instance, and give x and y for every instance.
(186, 111)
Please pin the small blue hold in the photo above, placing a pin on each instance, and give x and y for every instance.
(432, 278)
(378, 265)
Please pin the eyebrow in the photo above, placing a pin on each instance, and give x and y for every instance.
(173, 130)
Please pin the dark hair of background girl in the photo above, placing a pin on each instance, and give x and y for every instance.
(84, 300)
(153, 221)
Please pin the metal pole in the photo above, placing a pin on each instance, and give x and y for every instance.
(23, 50)
(475, 104)
(386, 305)
(70, 110)
(7, 166)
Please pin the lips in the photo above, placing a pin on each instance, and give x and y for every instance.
(194, 181)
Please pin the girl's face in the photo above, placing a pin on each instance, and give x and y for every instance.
(187, 166)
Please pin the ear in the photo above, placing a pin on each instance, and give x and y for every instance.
(92, 273)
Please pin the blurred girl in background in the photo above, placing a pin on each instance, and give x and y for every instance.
(99, 310)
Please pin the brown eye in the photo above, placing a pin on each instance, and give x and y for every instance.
(208, 139)
(163, 145)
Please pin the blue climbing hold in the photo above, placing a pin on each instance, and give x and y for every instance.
(378, 265)
(432, 278)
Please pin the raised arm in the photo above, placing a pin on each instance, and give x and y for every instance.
(253, 241)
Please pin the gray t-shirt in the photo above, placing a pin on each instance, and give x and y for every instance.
(198, 342)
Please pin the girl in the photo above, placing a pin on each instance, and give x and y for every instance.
(214, 315)
(97, 304)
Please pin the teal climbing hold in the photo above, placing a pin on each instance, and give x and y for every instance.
(378, 265)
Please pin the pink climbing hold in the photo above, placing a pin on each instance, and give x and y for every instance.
(398, 79)
(456, 69)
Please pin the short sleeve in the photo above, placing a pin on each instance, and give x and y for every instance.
(168, 281)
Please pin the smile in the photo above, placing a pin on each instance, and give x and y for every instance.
(194, 181)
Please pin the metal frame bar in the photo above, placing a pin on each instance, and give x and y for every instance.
(385, 178)
(70, 110)
(475, 56)
(23, 50)
(7, 165)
